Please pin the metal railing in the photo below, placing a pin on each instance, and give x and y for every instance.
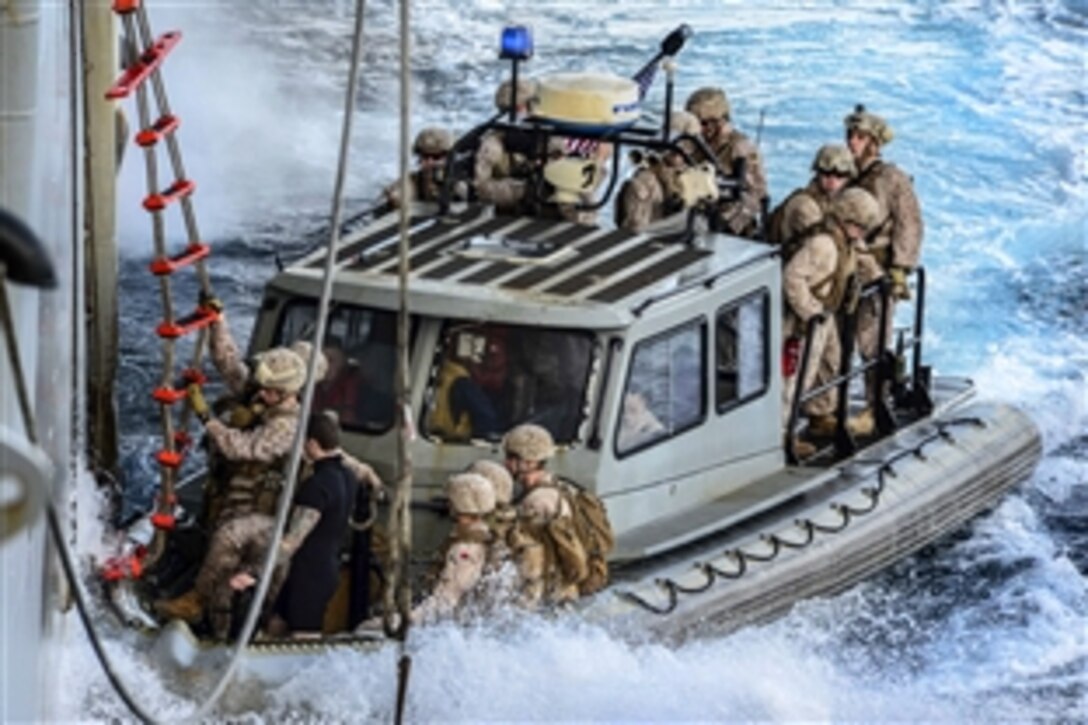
(894, 392)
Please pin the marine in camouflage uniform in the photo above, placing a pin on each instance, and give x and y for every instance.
(255, 455)
(654, 191)
(528, 448)
(816, 284)
(740, 215)
(833, 168)
(502, 175)
(502, 519)
(432, 145)
(255, 458)
(894, 249)
(468, 559)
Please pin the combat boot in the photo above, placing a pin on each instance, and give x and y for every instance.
(822, 426)
(803, 448)
(189, 607)
(863, 424)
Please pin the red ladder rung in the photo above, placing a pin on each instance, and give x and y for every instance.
(200, 318)
(149, 60)
(178, 190)
(124, 7)
(190, 255)
(169, 459)
(168, 395)
(150, 136)
(164, 521)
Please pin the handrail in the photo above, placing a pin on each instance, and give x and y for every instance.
(919, 399)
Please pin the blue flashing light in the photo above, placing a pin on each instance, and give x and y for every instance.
(517, 43)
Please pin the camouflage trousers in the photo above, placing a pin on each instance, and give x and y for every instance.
(823, 364)
(239, 545)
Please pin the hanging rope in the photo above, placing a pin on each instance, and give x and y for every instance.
(291, 473)
(673, 589)
(398, 594)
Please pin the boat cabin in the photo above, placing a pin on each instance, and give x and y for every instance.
(647, 356)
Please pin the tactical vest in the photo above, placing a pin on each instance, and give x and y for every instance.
(251, 486)
(879, 238)
(842, 278)
(576, 547)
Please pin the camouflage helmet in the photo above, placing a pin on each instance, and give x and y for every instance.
(500, 478)
(529, 442)
(280, 368)
(708, 103)
(835, 158)
(683, 122)
(470, 493)
(857, 206)
(869, 123)
(504, 93)
(432, 141)
(304, 348)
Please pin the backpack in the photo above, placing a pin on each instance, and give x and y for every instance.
(590, 524)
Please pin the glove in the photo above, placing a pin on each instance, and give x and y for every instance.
(900, 290)
(242, 416)
(199, 405)
(211, 302)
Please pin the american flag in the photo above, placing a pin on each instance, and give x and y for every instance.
(584, 147)
(645, 77)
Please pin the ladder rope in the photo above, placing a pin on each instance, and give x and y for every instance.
(144, 56)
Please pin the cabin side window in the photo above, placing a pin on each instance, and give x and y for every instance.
(665, 393)
(488, 378)
(741, 351)
(361, 348)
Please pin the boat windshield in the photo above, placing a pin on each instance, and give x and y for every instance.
(488, 378)
(360, 346)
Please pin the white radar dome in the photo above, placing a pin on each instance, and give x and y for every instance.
(588, 100)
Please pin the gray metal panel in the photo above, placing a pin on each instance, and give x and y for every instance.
(446, 235)
(587, 277)
(581, 235)
(358, 246)
(650, 276)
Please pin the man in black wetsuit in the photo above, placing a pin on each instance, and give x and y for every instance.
(316, 530)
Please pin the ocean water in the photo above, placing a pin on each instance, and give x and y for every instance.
(988, 101)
